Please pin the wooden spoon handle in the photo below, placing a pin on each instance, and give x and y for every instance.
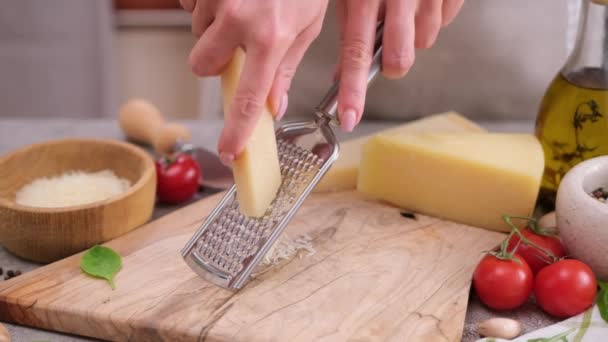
(143, 122)
(5, 336)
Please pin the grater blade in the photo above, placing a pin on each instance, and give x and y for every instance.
(229, 245)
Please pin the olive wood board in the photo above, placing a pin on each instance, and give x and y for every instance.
(376, 276)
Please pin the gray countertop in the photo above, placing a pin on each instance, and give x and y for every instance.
(16, 133)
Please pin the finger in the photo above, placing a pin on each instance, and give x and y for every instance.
(341, 16)
(249, 100)
(428, 23)
(381, 11)
(356, 58)
(188, 5)
(449, 11)
(287, 69)
(212, 51)
(398, 40)
(202, 16)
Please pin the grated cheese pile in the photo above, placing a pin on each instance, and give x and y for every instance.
(286, 248)
(71, 188)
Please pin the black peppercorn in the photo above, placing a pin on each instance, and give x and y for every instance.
(599, 193)
(408, 215)
(10, 273)
(17, 273)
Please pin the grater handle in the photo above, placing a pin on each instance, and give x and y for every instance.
(328, 107)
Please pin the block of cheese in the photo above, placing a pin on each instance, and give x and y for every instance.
(471, 178)
(256, 170)
(342, 175)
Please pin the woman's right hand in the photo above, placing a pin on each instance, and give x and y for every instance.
(275, 35)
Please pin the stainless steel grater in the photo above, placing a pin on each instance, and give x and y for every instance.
(229, 245)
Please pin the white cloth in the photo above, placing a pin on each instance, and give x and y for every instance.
(596, 329)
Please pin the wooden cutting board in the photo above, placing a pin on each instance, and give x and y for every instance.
(376, 276)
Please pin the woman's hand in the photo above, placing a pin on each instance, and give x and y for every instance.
(408, 24)
(275, 35)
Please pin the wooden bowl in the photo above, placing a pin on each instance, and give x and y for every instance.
(48, 234)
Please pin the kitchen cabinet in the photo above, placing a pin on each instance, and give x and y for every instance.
(151, 48)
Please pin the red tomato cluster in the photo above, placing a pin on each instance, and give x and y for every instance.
(531, 261)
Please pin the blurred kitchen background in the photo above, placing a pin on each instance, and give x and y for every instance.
(74, 58)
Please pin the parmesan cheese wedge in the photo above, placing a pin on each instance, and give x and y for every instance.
(471, 178)
(256, 170)
(342, 176)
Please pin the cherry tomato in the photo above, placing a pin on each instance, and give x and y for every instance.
(178, 179)
(565, 288)
(534, 257)
(503, 284)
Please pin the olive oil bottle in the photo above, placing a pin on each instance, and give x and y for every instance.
(572, 123)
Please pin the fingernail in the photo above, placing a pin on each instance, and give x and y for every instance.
(348, 120)
(226, 158)
(282, 107)
(393, 74)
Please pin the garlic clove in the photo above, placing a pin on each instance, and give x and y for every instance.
(548, 220)
(499, 327)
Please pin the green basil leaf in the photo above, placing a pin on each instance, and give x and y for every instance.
(563, 337)
(602, 302)
(101, 262)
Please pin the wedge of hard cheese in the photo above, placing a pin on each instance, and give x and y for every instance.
(342, 175)
(471, 178)
(256, 170)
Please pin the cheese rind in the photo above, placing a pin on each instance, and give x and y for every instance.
(471, 178)
(256, 170)
(342, 176)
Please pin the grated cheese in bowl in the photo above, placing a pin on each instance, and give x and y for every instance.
(72, 188)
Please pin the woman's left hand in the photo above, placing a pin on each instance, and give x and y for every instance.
(408, 24)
